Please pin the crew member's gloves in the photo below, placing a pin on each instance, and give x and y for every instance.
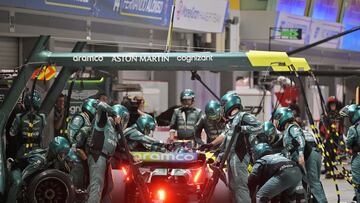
(205, 147)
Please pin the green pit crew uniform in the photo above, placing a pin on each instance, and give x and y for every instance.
(77, 122)
(26, 132)
(239, 159)
(137, 141)
(80, 120)
(102, 145)
(275, 174)
(295, 144)
(183, 121)
(37, 161)
(211, 122)
(53, 157)
(212, 129)
(313, 167)
(296, 147)
(353, 143)
(79, 129)
(25, 135)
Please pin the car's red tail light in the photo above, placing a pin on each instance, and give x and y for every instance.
(161, 194)
(123, 169)
(197, 175)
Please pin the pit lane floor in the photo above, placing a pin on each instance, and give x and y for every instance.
(346, 190)
(222, 193)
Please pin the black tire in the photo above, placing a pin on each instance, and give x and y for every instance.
(51, 186)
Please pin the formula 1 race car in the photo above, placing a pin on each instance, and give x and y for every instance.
(177, 176)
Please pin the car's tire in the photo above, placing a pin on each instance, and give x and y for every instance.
(51, 186)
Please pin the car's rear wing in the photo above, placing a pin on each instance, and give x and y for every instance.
(170, 159)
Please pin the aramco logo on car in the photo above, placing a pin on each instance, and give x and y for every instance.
(165, 157)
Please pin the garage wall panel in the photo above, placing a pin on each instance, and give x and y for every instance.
(9, 52)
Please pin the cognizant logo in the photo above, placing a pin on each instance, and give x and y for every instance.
(165, 157)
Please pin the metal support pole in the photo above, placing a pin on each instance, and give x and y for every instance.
(196, 76)
(323, 41)
(269, 48)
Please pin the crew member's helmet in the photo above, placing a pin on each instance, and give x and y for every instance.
(352, 111)
(261, 150)
(59, 147)
(269, 131)
(34, 100)
(229, 102)
(187, 94)
(145, 124)
(282, 116)
(332, 100)
(213, 110)
(88, 106)
(124, 114)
